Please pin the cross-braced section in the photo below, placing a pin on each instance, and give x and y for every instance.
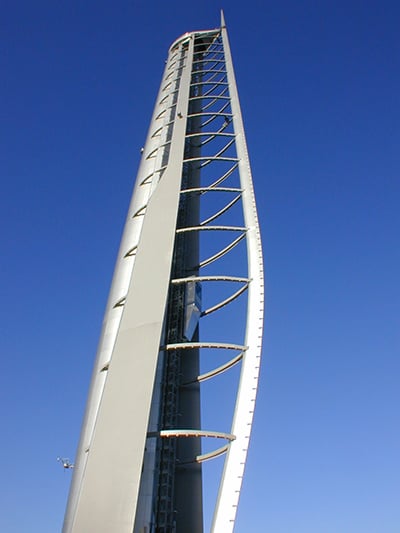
(210, 279)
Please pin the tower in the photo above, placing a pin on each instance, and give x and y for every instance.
(190, 252)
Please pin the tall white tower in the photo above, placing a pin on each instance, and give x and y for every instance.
(190, 253)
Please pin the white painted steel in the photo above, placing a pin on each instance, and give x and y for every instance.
(228, 497)
(118, 291)
(95, 502)
(104, 491)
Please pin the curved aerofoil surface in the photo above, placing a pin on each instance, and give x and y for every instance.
(185, 312)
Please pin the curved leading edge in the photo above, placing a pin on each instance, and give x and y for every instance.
(120, 284)
(228, 496)
(118, 291)
(105, 495)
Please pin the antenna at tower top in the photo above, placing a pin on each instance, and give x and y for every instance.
(223, 25)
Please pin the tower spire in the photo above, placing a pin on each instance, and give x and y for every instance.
(223, 24)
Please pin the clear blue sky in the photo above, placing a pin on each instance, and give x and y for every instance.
(319, 84)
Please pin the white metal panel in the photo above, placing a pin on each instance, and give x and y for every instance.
(119, 288)
(228, 497)
(106, 498)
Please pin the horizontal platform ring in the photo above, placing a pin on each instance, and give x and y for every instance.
(168, 433)
(191, 345)
(211, 228)
(210, 278)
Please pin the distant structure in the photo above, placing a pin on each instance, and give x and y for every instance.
(190, 252)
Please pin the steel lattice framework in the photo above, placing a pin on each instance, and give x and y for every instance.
(191, 249)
